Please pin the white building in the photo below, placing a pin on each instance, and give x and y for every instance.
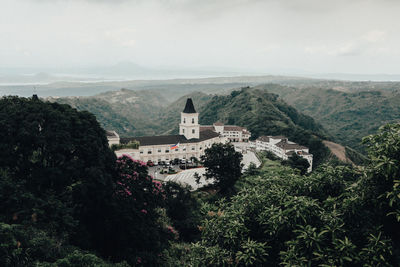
(112, 137)
(192, 140)
(233, 133)
(283, 148)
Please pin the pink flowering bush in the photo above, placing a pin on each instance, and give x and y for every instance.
(139, 198)
(135, 184)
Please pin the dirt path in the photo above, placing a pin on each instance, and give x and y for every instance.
(338, 150)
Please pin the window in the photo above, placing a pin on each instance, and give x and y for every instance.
(184, 120)
(177, 149)
(193, 131)
(192, 120)
(159, 150)
(193, 148)
(149, 152)
(166, 150)
(184, 149)
(183, 130)
(141, 151)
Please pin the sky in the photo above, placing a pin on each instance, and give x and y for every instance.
(266, 36)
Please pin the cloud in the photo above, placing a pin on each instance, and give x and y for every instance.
(257, 34)
(375, 36)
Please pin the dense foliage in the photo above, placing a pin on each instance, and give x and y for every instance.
(337, 216)
(223, 165)
(297, 162)
(62, 190)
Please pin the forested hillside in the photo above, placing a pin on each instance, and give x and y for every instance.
(130, 113)
(264, 114)
(349, 115)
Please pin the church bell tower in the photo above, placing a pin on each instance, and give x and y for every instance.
(189, 126)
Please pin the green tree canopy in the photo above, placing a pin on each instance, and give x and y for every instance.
(297, 162)
(223, 164)
(57, 159)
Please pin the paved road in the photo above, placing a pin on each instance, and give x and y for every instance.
(248, 155)
(188, 177)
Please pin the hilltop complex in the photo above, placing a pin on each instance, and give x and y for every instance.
(283, 148)
(191, 141)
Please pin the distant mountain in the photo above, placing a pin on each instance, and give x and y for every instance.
(179, 87)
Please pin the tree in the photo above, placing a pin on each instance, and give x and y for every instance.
(223, 164)
(62, 188)
(56, 176)
(297, 162)
(59, 166)
(279, 217)
(382, 180)
(136, 221)
(183, 210)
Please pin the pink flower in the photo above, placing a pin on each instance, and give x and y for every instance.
(128, 192)
(144, 211)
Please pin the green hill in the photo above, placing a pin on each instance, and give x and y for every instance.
(125, 111)
(264, 113)
(348, 116)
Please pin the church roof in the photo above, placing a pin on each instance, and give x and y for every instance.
(189, 108)
(169, 139)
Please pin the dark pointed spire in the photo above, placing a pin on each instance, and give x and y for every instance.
(189, 108)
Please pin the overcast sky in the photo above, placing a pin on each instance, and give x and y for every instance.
(347, 36)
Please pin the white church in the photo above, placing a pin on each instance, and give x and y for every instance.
(192, 140)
